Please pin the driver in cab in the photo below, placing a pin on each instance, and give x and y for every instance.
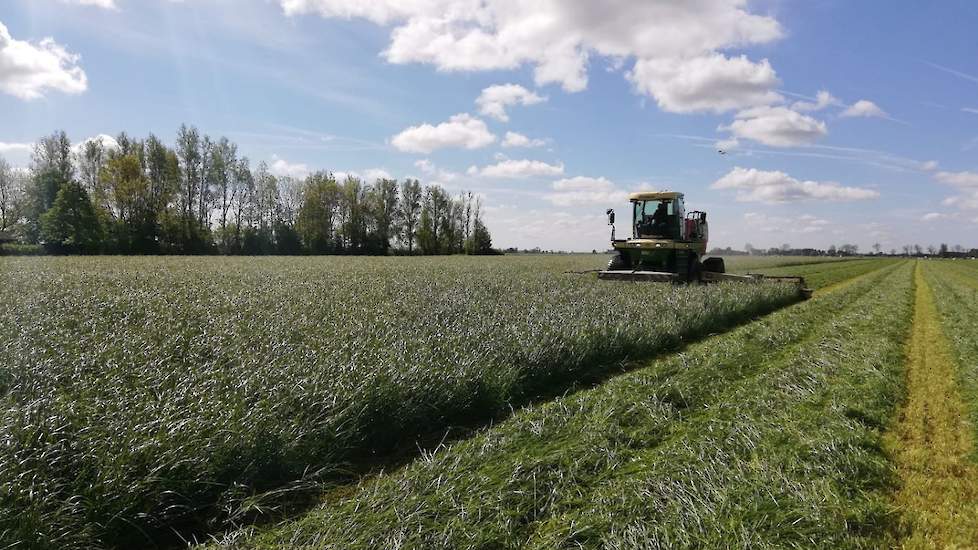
(657, 223)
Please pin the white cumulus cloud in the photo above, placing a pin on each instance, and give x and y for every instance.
(555, 38)
(777, 224)
(371, 175)
(967, 183)
(281, 167)
(707, 83)
(461, 131)
(583, 183)
(494, 100)
(105, 4)
(16, 147)
(108, 143)
(28, 71)
(864, 108)
(823, 99)
(777, 127)
(754, 185)
(959, 179)
(515, 139)
(586, 191)
(519, 169)
(368, 176)
(436, 175)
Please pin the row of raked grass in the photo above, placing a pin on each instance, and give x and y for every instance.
(767, 436)
(955, 288)
(930, 440)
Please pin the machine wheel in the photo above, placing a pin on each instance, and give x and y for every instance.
(618, 263)
(695, 273)
(713, 265)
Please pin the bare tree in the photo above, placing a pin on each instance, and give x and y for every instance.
(410, 211)
(90, 161)
(222, 178)
(291, 195)
(10, 191)
(188, 150)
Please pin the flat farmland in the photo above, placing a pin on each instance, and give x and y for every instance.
(502, 402)
(144, 395)
(768, 436)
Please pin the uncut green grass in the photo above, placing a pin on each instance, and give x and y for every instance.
(768, 436)
(955, 288)
(822, 274)
(142, 396)
(744, 264)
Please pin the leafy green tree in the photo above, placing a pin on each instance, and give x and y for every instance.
(42, 191)
(480, 241)
(382, 199)
(427, 236)
(317, 216)
(163, 172)
(179, 234)
(54, 153)
(51, 167)
(71, 225)
(353, 227)
(287, 241)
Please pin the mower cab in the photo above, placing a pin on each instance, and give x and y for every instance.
(665, 238)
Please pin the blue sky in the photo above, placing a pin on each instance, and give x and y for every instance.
(841, 121)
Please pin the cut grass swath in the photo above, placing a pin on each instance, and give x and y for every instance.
(932, 440)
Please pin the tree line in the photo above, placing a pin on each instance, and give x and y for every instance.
(202, 197)
(944, 251)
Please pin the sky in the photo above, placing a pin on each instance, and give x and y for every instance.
(807, 123)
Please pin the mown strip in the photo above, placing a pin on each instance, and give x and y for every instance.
(768, 436)
(955, 293)
(932, 440)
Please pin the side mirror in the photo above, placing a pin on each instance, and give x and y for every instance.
(611, 216)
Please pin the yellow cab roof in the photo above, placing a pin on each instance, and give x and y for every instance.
(654, 195)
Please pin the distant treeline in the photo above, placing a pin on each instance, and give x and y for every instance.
(202, 197)
(915, 250)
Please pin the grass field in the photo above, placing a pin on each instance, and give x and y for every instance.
(932, 438)
(514, 402)
(767, 436)
(758, 264)
(141, 395)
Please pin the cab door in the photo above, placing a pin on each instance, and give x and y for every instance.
(679, 210)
